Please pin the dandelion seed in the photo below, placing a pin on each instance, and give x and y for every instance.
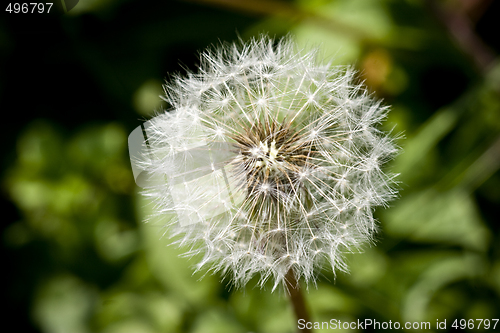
(270, 160)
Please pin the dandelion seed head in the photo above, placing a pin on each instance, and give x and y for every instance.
(271, 161)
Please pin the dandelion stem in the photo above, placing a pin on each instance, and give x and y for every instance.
(297, 299)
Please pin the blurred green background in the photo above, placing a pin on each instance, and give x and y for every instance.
(77, 257)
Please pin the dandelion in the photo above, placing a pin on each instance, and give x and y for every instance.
(270, 162)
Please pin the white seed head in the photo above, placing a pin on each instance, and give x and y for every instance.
(270, 160)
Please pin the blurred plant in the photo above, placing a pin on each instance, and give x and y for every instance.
(270, 161)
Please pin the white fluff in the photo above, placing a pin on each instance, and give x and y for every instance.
(270, 160)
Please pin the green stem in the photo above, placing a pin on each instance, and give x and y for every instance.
(297, 299)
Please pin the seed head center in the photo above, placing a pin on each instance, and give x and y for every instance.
(266, 155)
(273, 160)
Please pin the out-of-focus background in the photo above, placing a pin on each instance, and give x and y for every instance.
(77, 257)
